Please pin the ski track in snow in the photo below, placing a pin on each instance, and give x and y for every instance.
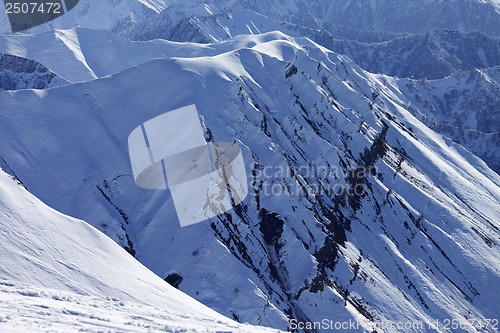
(25, 308)
(58, 274)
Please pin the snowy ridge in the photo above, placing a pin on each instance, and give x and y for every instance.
(421, 244)
(431, 55)
(59, 274)
(81, 54)
(65, 56)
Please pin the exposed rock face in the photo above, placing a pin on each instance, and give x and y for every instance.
(21, 73)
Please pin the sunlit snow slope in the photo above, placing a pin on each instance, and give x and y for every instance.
(421, 244)
(59, 274)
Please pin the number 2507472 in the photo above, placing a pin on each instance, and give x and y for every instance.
(33, 8)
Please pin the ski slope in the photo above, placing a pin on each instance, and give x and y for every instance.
(59, 274)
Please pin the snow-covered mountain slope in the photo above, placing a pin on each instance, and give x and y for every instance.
(428, 55)
(21, 73)
(59, 274)
(464, 107)
(431, 55)
(58, 50)
(27, 308)
(204, 23)
(102, 14)
(420, 244)
(81, 54)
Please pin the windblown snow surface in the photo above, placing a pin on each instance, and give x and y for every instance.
(59, 274)
(419, 245)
